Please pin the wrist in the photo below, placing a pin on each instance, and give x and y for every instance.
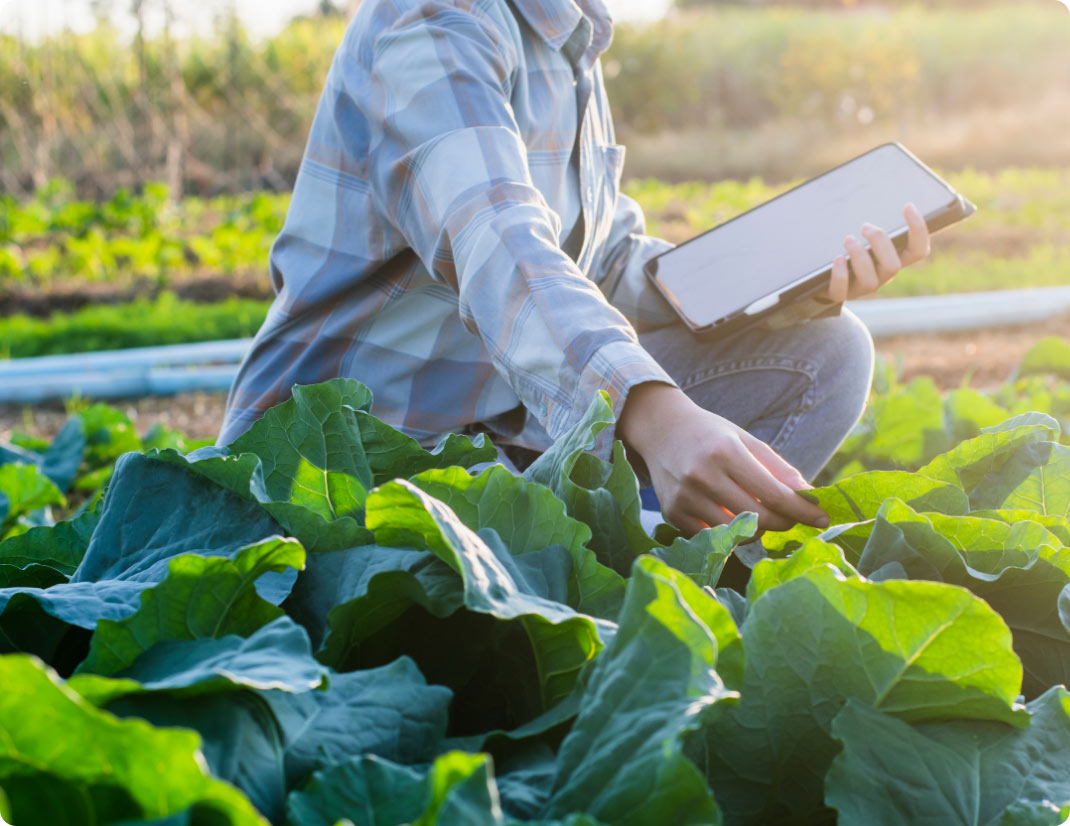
(646, 409)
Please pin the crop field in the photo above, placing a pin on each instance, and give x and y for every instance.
(158, 272)
(303, 630)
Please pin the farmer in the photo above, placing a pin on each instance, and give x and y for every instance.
(457, 241)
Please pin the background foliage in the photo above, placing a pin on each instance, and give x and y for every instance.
(772, 91)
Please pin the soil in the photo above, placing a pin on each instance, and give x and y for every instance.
(985, 358)
(205, 288)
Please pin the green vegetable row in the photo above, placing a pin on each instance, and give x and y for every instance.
(1017, 238)
(325, 621)
(905, 426)
(56, 237)
(140, 323)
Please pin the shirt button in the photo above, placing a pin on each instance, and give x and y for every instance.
(590, 194)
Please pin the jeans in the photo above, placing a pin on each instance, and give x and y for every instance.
(799, 389)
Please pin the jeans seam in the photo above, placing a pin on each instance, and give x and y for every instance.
(806, 402)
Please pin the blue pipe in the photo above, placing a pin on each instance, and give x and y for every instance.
(212, 365)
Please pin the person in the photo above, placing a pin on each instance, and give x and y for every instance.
(458, 242)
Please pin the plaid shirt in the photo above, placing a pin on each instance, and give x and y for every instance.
(424, 252)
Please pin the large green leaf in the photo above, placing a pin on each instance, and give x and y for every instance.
(458, 790)
(960, 773)
(369, 791)
(311, 450)
(702, 557)
(357, 592)
(1049, 356)
(303, 461)
(505, 660)
(201, 597)
(528, 517)
(154, 511)
(24, 489)
(65, 763)
(384, 602)
(859, 497)
(988, 463)
(602, 495)
(243, 475)
(562, 639)
(311, 461)
(266, 742)
(1020, 569)
(275, 657)
(814, 554)
(61, 461)
(46, 555)
(918, 650)
(391, 712)
(392, 454)
(657, 680)
(1046, 489)
(59, 546)
(1057, 525)
(906, 426)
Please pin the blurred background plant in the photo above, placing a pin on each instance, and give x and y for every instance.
(709, 90)
(147, 147)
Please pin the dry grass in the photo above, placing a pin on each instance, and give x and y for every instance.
(1033, 133)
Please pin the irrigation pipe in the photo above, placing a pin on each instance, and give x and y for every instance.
(211, 366)
(135, 358)
(965, 311)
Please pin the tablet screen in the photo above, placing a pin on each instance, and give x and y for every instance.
(796, 235)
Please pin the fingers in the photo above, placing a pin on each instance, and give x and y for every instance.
(721, 502)
(688, 525)
(784, 504)
(873, 267)
(773, 462)
(743, 482)
(865, 273)
(693, 512)
(839, 282)
(884, 252)
(918, 239)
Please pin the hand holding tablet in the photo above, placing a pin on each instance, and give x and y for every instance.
(867, 273)
(735, 275)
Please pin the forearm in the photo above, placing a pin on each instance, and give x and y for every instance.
(549, 330)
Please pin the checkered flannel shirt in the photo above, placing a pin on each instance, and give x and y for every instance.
(425, 252)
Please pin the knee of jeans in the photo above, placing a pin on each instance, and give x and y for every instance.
(846, 371)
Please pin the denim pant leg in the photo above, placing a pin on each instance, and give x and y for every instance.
(800, 389)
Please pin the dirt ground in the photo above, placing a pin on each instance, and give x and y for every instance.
(42, 301)
(987, 357)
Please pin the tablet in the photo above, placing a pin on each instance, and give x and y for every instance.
(758, 264)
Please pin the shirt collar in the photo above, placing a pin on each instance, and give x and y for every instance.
(558, 21)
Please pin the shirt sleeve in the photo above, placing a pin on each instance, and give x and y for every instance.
(621, 274)
(448, 166)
